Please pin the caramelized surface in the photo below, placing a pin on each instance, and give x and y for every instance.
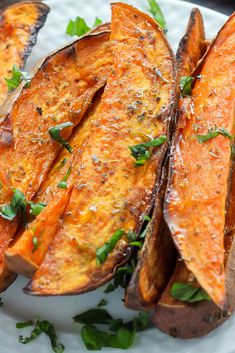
(19, 25)
(197, 194)
(61, 90)
(110, 193)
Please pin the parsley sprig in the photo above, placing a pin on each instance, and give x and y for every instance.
(157, 13)
(17, 77)
(41, 326)
(78, 27)
(186, 85)
(63, 183)
(212, 133)
(118, 334)
(18, 207)
(187, 293)
(143, 151)
(55, 134)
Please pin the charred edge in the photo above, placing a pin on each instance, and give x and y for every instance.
(43, 10)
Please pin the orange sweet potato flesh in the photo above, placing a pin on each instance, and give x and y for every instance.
(195, 206)
(19, 25)
(116, 193)
(68, 80)
(21, 256)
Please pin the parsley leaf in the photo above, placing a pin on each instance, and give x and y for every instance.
(63, 183)
(55, 134)
(17, 77)
(103, 252)
(142, 151)
(103, 302)
(17, 206)
(157, 13)
(42, 326)
(36, 208)
(79, 27)
(119, 335)
(186, 85)
(187, 293)
(20, 325)
(214, 133)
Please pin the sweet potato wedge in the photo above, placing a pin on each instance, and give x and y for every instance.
(116, 192)
(19, 25)
(22, 257)
(156, 260)
(196, 199)
(192, 46)
(68, 80)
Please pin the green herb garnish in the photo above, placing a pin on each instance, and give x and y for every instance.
(157, 13)
(187, 293)
(17, 77)
(119, 334)
(55, 134)
(103, 302)
(78, 27)
(214, 133)
(17, 206)
(186, 85)
(36, 243)
(36, 208)
(103, 252)
(42, 326)
(142, 151)
(63, 183)
(24, 324)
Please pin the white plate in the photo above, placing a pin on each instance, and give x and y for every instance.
(20, 307)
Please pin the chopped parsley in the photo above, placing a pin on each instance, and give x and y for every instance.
(41, 326)
(55, 134)
(103, 302)
(214, 133)
(63, 183)
(157, 13)
(118, 334)
(17, 77)
(187, 293)
(142, 151)
(79, 27)
(103, 252)
(186, 85)
(18, 207)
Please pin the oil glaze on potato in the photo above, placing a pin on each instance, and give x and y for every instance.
(19, 25)
(199, 183)
(68, 80)
(110, 193)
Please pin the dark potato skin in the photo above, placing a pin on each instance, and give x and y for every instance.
(19, 25)
(192, 46)
(156, 260)
(126, 187)
(170, 314)
(185, 320)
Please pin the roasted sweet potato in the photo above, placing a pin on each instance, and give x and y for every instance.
(110, 192)
(68, 80)
(192, 46)
(196, 198)
(21, 256)
(156, 259)
(19, 25)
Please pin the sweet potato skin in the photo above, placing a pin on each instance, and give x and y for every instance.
(156, 259)
(19, 25)
(192, 46)
(170, 315)
(124, 191)
(190, 197)
(68, 80)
